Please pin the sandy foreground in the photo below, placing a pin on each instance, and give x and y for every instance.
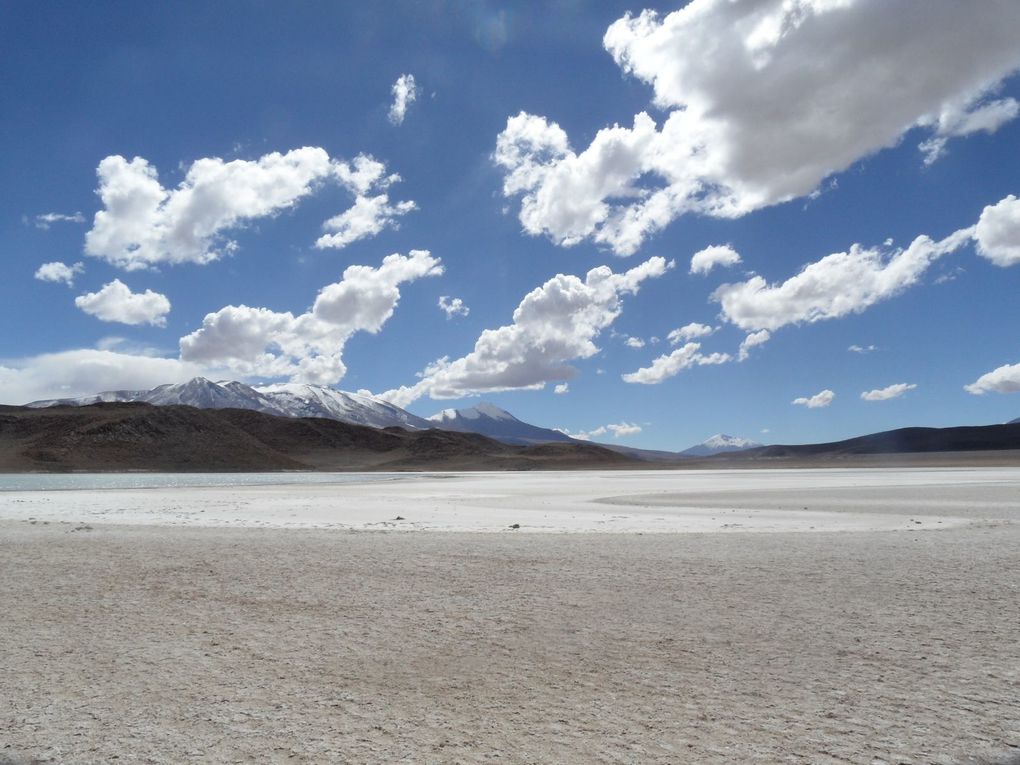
(826, 616)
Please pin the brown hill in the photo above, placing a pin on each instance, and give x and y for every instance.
(134, 436)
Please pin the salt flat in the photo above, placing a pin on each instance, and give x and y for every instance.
(152, 632)
(589, 501)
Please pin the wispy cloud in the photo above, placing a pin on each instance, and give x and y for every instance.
(405, 93)
(46, 220)
(889, 392)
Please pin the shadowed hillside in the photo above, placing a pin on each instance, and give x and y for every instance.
(980, 438)
(135, 436)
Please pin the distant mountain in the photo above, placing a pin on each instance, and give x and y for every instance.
(287, 400)
(489, 420)
(1014, 422)
(718, 444)
(901, 441)
(138, 436)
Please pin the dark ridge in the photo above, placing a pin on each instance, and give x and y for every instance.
(138, 436)
(902, 441)
(560, 450)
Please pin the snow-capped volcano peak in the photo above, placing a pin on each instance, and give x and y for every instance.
(479, 411)
(719, 443)
(723, 441)
(489, 420)
(485, 409)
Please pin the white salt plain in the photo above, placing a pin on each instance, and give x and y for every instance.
(589, 501)
(269, 624)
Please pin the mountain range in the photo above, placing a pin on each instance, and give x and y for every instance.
(302, 400)
(283, 399)
(209, 425)
(118, 436)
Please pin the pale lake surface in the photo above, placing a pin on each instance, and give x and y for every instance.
(86, 481)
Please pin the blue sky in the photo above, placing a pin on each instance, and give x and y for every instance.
(554, 167)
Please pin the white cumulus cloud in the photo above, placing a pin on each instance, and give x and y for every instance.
(405, 92)
(553, 325)
(862, 348)
(452, 306)
(308, 347)
(763, 101)
(837, 285)
(59, 272)
(671, 364)
(690, 331)
(817, 401)
(705, 260)
(1005, 379)
(372, 211)
(618, 430)
(998, 232)
(144, 224)
(116, 302)
(890, 391)
(562, 388)
(634, 342)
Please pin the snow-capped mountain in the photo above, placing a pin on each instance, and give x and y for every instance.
(205, 394)
(301, 400)
(1014, 422)
(489, 420)
(718, 444)
(286, 399)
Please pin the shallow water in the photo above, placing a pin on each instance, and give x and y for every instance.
(85, 481)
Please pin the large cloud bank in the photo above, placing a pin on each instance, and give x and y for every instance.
(764, 100)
